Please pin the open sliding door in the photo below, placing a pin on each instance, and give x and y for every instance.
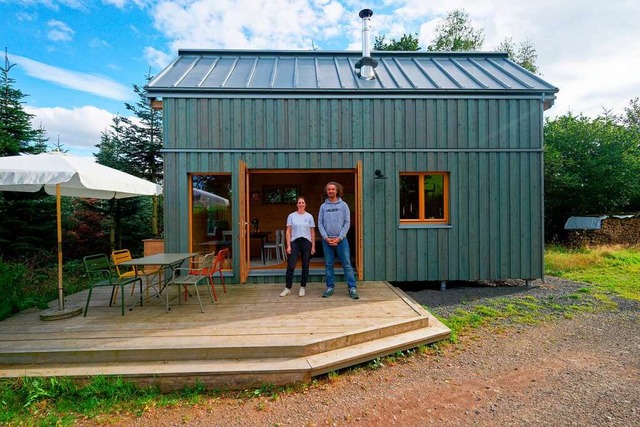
(243, 224)
(359, 222)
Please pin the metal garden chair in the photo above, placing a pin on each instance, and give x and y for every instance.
(123, 255)
(184, 277)
(101, 274)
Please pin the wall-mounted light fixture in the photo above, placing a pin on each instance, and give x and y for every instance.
(379, 175)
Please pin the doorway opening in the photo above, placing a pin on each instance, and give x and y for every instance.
(272, 197)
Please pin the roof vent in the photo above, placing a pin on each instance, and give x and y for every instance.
(366, 64)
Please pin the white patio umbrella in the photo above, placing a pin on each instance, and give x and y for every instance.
(61, 174)
(206, 199)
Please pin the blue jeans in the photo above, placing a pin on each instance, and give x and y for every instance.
(344, 255)
(299, 247)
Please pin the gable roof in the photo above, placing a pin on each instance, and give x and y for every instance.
(208, 72)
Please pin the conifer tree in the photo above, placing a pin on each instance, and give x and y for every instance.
(133, 146)
(16, 132)
(143, 144)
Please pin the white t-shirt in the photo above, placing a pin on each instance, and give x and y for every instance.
(300, 225)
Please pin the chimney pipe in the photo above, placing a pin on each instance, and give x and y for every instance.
(366, 64)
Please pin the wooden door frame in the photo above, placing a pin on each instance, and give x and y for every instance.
(243, 223)
(359, 223)
(244, 177)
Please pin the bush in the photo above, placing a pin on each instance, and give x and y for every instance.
(26, 284)
(12, 278)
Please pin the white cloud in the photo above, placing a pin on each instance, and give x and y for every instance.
(121, 4)
(26, 16)
(157, 58)
(59, 31)
(54, 4)
(96, 43)
(76, 128)
(90, 83)
(249, 24)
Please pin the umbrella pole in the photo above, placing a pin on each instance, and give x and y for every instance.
(59, 221)
(60, 313)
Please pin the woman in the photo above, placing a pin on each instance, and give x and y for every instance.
(301, 240)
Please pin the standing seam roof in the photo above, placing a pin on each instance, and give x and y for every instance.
(231, 71)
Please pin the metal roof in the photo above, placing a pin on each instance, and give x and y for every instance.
(324, 72)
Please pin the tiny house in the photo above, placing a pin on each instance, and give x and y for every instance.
(440, 155)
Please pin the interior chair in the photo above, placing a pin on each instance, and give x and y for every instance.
(184, 277)
(126, 272)
(276, 246)
(100, 273)
(283, 245)
(227, 237)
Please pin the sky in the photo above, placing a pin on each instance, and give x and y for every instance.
(77, 60)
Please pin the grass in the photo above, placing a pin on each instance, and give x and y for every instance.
(614, 269)
(606, 271)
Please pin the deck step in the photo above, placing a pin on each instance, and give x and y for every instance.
(166, 349)
(236, 373)
(363, 352)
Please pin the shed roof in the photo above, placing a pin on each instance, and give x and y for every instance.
(209, 72)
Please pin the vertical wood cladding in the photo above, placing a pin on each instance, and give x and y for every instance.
(492, 149)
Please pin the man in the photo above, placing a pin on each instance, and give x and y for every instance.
(333, 223)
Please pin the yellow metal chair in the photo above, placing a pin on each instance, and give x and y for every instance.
(126, 272)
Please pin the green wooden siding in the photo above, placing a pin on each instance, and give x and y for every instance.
(492, 149)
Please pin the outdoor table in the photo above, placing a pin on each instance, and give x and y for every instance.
(168, 261)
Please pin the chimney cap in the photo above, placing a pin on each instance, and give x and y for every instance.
(365, 13)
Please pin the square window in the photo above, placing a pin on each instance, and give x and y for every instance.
(424, 197)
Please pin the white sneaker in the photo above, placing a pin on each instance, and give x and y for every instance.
(301, 292)
(286, 292)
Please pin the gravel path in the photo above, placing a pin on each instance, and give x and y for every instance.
(583, 370)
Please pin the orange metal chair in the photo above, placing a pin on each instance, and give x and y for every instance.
(216, 267)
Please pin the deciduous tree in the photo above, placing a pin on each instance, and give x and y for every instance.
(406, 43)
(523, 54)
(456, 32)
(591, 167)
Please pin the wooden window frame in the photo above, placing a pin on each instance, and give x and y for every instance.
(421, 199)
(281, 190)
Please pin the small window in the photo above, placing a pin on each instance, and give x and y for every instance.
(279, 194)
(424, 197)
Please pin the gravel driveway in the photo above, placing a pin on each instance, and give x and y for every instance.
(580, 370)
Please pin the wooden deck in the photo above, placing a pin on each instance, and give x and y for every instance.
(249, 337)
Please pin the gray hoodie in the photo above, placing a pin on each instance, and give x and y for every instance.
(334, 219)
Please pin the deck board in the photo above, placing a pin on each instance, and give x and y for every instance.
(250, 329)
